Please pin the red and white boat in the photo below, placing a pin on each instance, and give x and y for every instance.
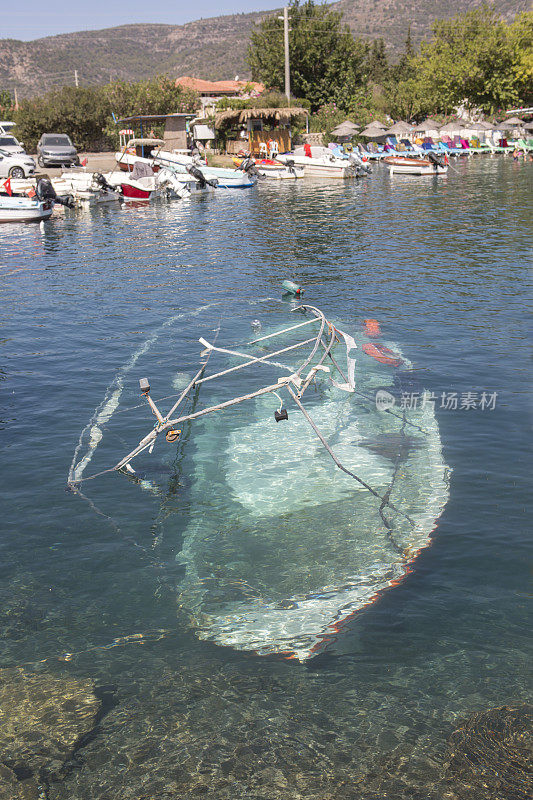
(140, 189)
(137, 150)
(141, 184)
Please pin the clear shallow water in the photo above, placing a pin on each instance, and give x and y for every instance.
(444, 267)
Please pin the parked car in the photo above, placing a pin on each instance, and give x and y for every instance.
(15, 165)
(10, 144)
(56, 149)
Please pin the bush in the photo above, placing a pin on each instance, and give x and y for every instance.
(85, 114)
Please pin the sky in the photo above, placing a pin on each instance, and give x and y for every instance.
(34, 19)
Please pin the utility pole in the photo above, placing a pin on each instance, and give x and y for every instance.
(287, 65)
(285, 19)
(16, 101)
(76, 81)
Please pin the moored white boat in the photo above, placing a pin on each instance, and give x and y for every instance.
(87, 189)
(17, 208)
(416, 166)
(226, 178)
(319, 162)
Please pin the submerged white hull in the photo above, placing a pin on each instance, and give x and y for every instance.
(296, 547)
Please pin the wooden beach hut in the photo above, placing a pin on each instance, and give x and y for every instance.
(255, 128)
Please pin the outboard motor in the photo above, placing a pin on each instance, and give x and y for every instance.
(200, 178)
(45, 191)
(362, 167)
(248, 165)
(289, 163)
(437, 161)
(101, 182)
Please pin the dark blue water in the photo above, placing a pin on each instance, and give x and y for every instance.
(443, 265)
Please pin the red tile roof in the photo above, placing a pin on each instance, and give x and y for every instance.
(217, 87)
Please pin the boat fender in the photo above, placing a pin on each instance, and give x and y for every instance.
(172, 435)
(382, 354)
(292, 287)
(372, 327)
(280, 414)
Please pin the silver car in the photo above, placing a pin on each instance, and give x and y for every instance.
(56, 149)
(16, 166)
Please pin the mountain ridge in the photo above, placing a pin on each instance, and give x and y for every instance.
(212, 48)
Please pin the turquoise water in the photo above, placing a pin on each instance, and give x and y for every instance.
(90, 303)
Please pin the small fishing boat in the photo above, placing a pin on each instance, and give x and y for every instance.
(141, 183)
(403, 165)
(138, 151)
(319, 162)
(87, 189)
(270, 168)
(226, 178)
(38, 207)
(303, 508)
(19, 208)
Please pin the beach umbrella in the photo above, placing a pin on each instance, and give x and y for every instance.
(426, 126)
(482, 126)
(513, 121)
(454, 127)
(372, 132)
(346, 128)
(398, 127)
(529, 126)
(377, 124)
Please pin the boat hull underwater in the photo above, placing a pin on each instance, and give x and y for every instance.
(280, 547)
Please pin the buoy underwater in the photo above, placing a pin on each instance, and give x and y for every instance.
(372, 327)
(292, 288)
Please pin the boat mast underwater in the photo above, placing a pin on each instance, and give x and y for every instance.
(309, 505)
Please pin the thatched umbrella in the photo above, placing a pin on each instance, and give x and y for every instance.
(513, 121)
(377, 124)
(454, 127)
(398, 127)
(346, 128)
(529, 126)
(426, 126)
(372, 132)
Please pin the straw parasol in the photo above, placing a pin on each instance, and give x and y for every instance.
(426, 126)
(346, 128)
(529, 126)
(377, 124)
(372, 132)
(456, 126)
(513, 121)
(398, 127)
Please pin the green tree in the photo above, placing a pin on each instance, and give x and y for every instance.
(521, 35)
(377, 65)
(471, 59)
(327, 63)
(6, 101)
(85, 114)
(79, 112)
